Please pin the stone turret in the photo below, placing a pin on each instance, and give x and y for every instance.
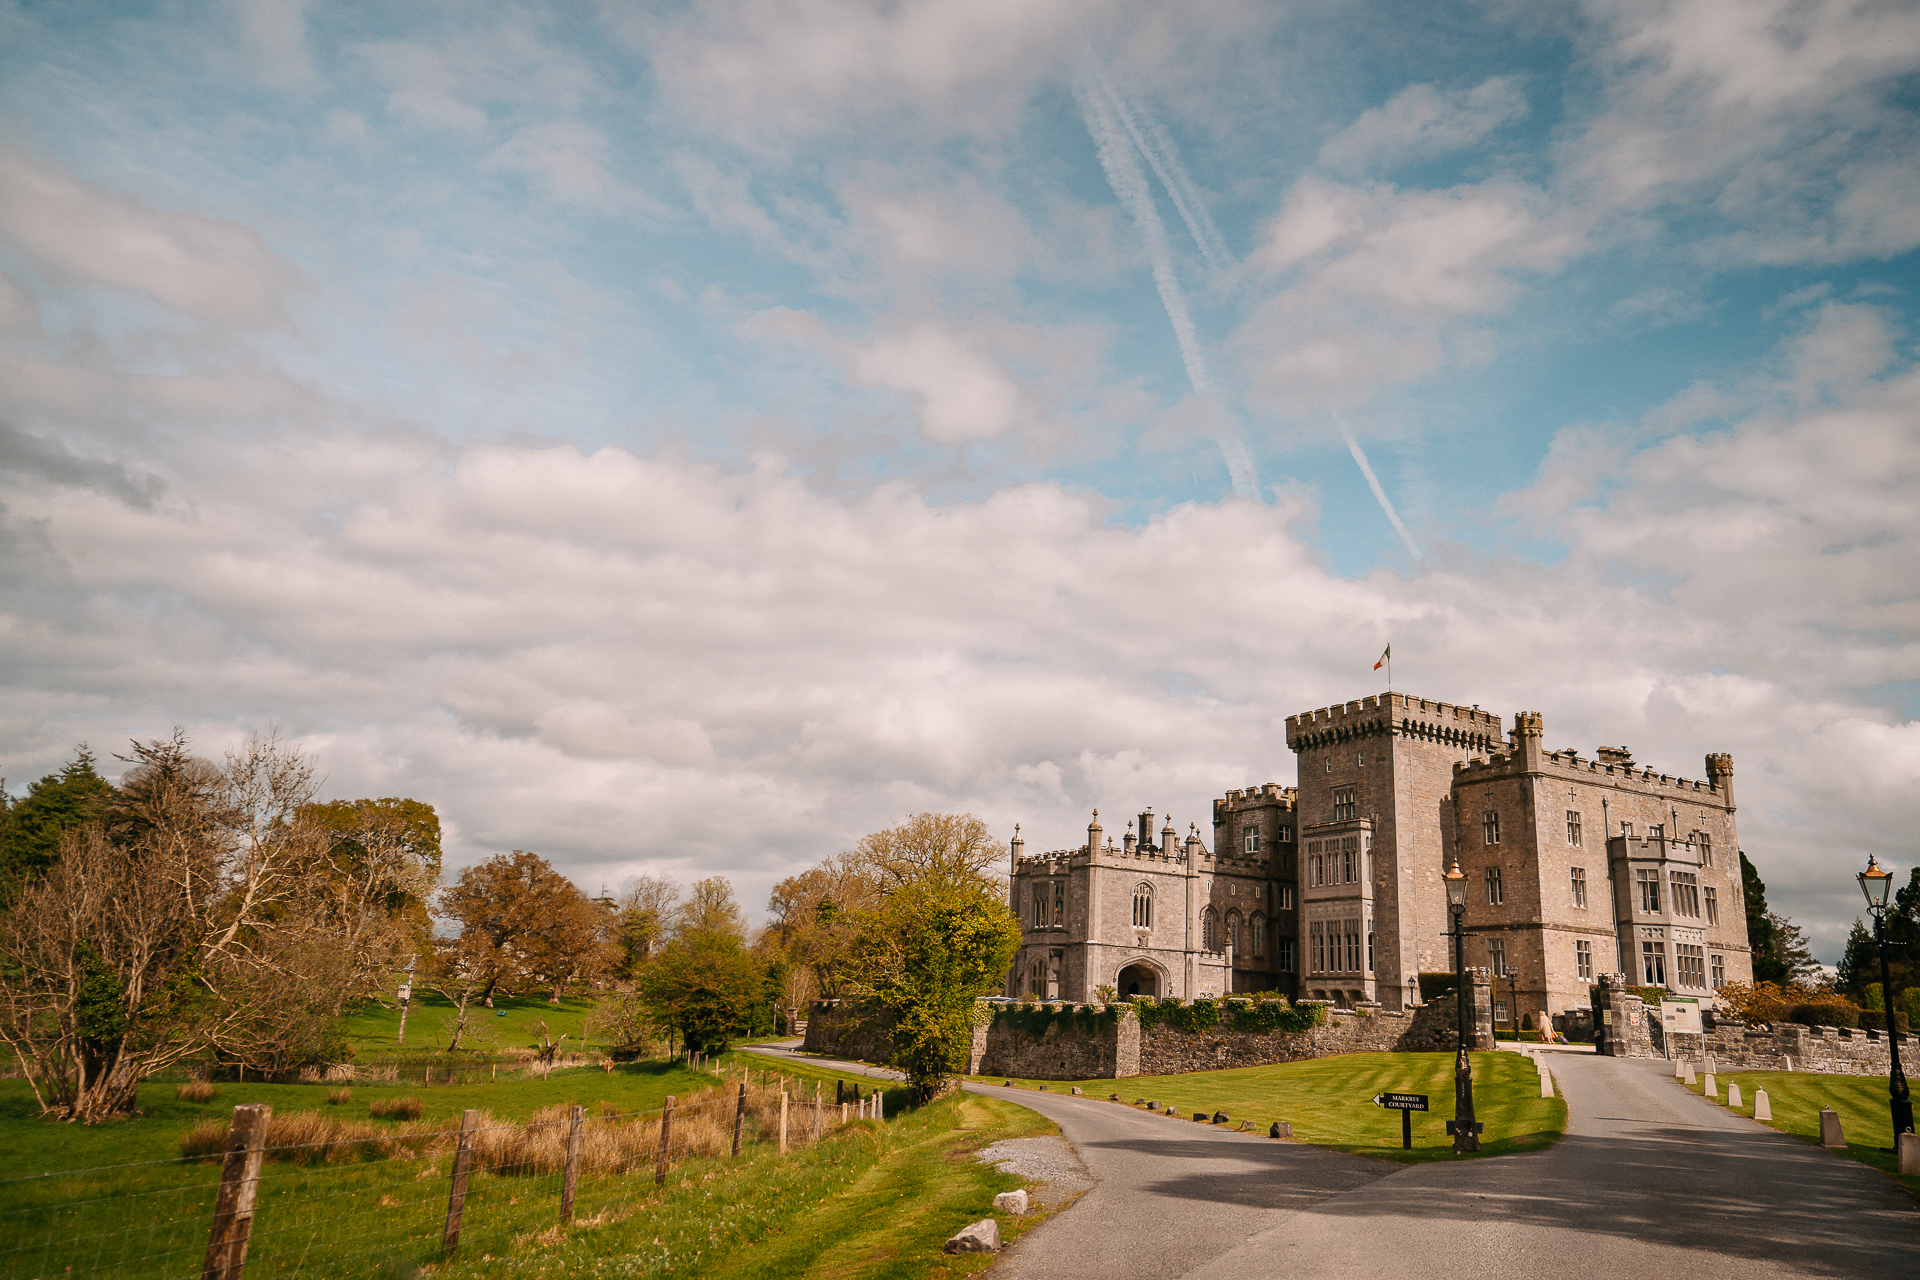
(1528, 728)
(1018, 847)
(1093, 837)
(1720, 774)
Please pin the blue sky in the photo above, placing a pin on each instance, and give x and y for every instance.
(684, 437)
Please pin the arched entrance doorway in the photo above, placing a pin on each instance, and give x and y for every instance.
(1138, 980)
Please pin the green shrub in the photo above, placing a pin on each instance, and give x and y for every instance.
(1824, 1015)
(1268, 1016)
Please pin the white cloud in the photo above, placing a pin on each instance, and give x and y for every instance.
(569, 160)
(206, 268)
(962, 391)
(1423, 122)
(595, 731)
(275, 35)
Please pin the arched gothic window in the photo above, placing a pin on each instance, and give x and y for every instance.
(1143, 906)
(1258, 928)
(1233, 930)
(1209, 930)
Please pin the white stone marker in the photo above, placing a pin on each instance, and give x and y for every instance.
(1546, 1085)
(1689, 1076)
(1679, 1068)
(1709, 1064)
(1712, 1090)
(982, 1237)
(1762, 1108)
(1830, 1133)
(1908, 1145)
(1733, 1095)
(1011, 1202)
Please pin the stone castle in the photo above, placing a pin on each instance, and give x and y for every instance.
(1333, 890)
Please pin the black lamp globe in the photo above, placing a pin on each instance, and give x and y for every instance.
(1875, 884)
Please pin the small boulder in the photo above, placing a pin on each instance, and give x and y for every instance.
(1113, 1097)
(1245, 1125)
(1141, 1102)
(1008, 1085)
(1220, 1117)
(1011, 1202)
(1043, 1088)
(1281, 1129)
(1077, 1091)
(1199, 1117)
(1171, 1110)
(1153, 1106)
(982, 1237)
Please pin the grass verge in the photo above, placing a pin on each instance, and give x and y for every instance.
(1328, 1101)
(1796, 1098)
(877, 1200)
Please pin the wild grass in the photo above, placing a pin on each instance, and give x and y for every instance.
(196, 1091)
(397, 1109)
(340, 1097)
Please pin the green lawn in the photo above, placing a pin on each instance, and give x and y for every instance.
(117, 1197)
(1328, 1101)
(877, 1201)
(430, 1024)
(1796, 1098)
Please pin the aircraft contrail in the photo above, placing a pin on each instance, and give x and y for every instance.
(1130, 185)
(1165, 160)
(1373, 482)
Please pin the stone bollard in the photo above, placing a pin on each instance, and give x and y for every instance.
(1011, 1202)
(1830, 1133)
(1733, 1094)
(1679, 1068)
(1689, 1076)
(1077, 1091)
(1762, 1107)
(1710, 1064)
(1281, 1129)
(1546, 1085)
(1908, 1145)
(1711, 1090)
(982, 1237)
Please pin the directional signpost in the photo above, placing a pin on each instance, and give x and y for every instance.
(1406, 1104)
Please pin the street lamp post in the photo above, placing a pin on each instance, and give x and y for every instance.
(1466, 1136)
(1877, 885)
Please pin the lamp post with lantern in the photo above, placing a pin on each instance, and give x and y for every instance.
(1466, 1133)
(1878, 886)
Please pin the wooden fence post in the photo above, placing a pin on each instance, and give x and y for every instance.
(666, 1137)
(817, 1087)
(739, 1116)
(573, 1166)
(462, 1164)
(783, 1122)
(239, 1186)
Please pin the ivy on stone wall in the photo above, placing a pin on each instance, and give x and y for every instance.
(1268, 1016)
(1253, 1017)
(1034, 1019)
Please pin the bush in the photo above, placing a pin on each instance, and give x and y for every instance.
(1824, 1015)
(340, 1097)
(397, 1109)
(1876, 1020)
(1435, 985)
(196, 1091)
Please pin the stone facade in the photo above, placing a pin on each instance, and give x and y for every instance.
(1332, 889)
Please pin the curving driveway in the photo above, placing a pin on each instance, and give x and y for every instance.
(1650, 1181)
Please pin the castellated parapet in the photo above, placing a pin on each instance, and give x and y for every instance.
(1335, 889)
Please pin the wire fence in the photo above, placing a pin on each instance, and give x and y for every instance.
(307, 1194)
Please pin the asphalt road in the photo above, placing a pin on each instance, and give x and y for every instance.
(1649, 1181)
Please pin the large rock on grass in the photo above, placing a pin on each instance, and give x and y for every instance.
(982, 1237)
(1011, 1202)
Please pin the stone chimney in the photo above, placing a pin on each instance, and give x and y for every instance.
(1720, 774)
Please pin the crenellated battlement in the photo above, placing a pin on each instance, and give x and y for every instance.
(1398, 714)
(1568, 763)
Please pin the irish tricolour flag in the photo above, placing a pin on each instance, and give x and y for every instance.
(1385, 658)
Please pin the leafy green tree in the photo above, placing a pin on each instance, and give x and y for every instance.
(1859, 968)
(643, 921)
(391, 831)
(931, 949)
(704, 983)
(1780, 950)
(58, 803)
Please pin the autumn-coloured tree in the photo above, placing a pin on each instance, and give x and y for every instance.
(815, 917)
(931, 847)
(527, 923)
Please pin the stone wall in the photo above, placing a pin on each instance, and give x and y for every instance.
(1109, 1042)
(1623, 1027)
(1791, 1047)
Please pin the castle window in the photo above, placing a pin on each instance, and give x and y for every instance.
(1319, 939)
(1499, 1010)
(1286, 955)
(1143, 907)
(1713, 904)
(1343, 805)
(1706, 849)
(1497, 956)
(1233, 930)
(1719, 972)
(1037, 978)
(1059, 904)
(1656, 831)
(1040, 906)
(1649, 882)
(1350, 860)
(1353, 946)
(1209, 930)
(1573, 828)
(1285, 836)
(1258, 930)
(1580, 887)
(1369, 951)
(1686, 894)
(1286, 897)
(1313, 869)
(1626, 828)
(1490, 826)
(1653, 964)
(1250, 839)
(1690, 965)
(1583, 959)
(1496, 893)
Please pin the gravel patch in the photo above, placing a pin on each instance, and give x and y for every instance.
(1048, 1161)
